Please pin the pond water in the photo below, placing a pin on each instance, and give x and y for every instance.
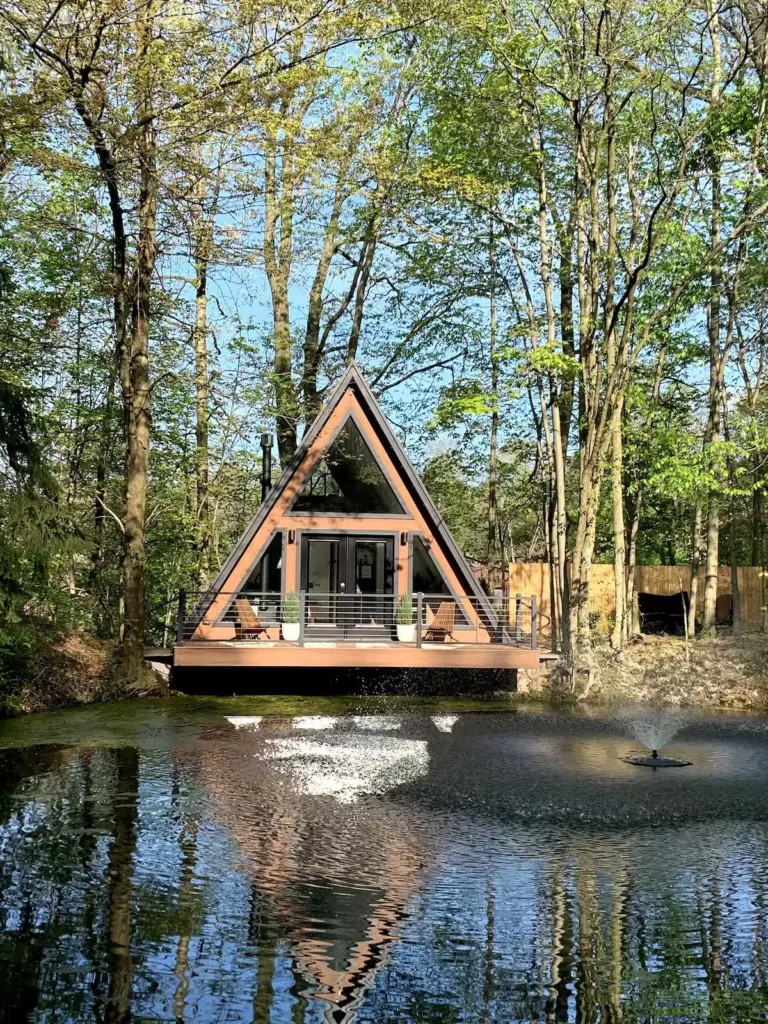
(319, 861)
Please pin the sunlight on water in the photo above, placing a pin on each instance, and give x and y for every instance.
(377, 723)
(314, 722)
(349, 769)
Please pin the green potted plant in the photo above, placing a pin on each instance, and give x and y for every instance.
(291, 618)
(406, 628)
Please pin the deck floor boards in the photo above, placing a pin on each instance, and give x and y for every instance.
(359, 654)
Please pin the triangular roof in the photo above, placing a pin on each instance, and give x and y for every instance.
(354, 381)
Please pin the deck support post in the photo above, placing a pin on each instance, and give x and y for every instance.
(419, 605)
(182, 616)
(302, 615)
(534, 621)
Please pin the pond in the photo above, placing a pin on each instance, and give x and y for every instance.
(330, 861)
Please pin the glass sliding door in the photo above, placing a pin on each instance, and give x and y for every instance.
(349, 581)
(321, 568)
(371, 567)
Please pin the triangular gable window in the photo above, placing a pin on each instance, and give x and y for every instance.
(263, 587)
(266, 576)
(348, 480)
(427, 578)
(429, 581)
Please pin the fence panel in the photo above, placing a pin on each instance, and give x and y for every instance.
(534, 578)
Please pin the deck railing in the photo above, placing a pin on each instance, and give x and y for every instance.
(357, 618)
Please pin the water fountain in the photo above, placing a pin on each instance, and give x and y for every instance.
(654, 729)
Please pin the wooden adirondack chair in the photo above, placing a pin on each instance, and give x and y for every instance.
(441, 627)
(248, 626)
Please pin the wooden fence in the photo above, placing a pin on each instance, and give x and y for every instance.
(533, 578)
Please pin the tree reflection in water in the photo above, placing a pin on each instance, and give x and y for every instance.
(119, 873)
(193, 882)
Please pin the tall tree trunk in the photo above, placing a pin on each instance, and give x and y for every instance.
(277, 263)
(712, 558)
(314, 345)
(562, 609)
(617, 459)
(695, 565)
(633, 619)
(120, 366)
(204, 232)
(493, 510)
(102, 467)
(548, 519)
(204, 210)
(619, 553)
(284, 393)
(756, 17)
(581, 557)
(366, 264)
(567, 338)
(630, 604)
(560, 413)
(139, 423)
(735, 593)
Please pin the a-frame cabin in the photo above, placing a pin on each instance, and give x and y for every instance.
(348, 563)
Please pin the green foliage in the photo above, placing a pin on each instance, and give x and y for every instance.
(467, 398)
(291, 608)
(404, 613)
(449, 151)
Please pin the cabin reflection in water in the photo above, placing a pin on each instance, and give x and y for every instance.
(336, 888)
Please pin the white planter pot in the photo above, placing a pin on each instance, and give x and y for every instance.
(406, 634)
(291, 631)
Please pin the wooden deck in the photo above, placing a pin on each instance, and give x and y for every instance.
(317, 654)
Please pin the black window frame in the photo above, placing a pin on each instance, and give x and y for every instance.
(385, 503)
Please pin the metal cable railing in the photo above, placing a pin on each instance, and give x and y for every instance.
(310, 617)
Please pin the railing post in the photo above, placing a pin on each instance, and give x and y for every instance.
(534, 621)
(518, 618)
(182, 616)
(419, 605)
(302, 615)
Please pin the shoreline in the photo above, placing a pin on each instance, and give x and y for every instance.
(724, 672)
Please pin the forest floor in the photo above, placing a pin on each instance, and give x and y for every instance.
(724, 671)
(61, 671)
